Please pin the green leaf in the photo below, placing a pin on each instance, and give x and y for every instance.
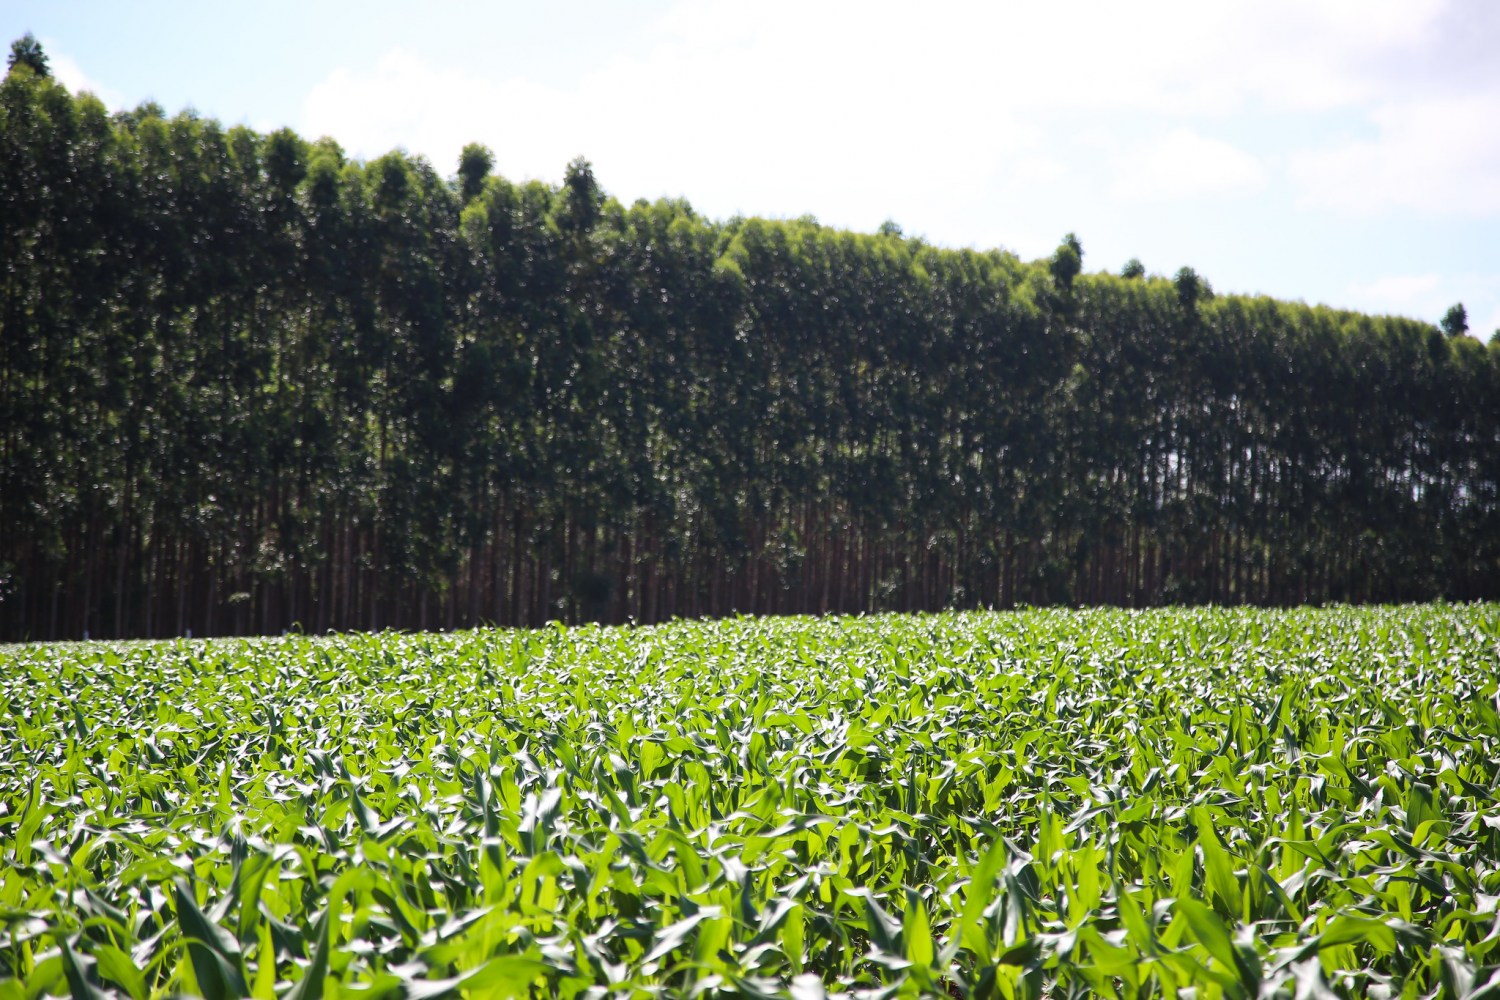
(884, 930)
(117, 967)
(1348, 929)
(215, 953)
(505, 976)
(77, 969)
(1223, 886)
(917, 932)
(1211, 933)
(310, 986)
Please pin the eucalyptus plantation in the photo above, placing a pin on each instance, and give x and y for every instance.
(248, 384)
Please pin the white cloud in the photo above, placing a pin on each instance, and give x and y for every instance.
(1167, 56)
(1184, 164)
(1439, 155)
(1396, 290)
(1427, 296)
(1482, 295)
(1489, 327)
(765, 124)
(785, 107)
(68, 73)
(1038, 170)
(1312, 56)
(403, 103)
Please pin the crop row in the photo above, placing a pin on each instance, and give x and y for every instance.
(1244, 803)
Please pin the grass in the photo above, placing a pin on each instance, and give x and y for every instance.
(1048, 803)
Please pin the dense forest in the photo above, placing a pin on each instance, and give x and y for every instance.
(248, 384)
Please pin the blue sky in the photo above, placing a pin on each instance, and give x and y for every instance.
(1336, 151)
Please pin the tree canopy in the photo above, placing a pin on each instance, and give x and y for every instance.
(247, 383)
(1456, 320)
(27, 51)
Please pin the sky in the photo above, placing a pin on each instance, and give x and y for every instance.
(1344, 152)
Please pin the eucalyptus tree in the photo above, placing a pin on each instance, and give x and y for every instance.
(248, 383)
(27, 52)
(1456, 320)
(474, 166)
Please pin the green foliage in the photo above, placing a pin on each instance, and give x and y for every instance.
(1066, 262)
(474, 166)
(286, 160)
(27, 51)
(1191, 288)
(1456, 320)
(1237, 803)
(581, 197)
(247, 385)
(392, 182)
(1133, 269)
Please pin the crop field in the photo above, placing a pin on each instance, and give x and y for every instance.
(1234, 803)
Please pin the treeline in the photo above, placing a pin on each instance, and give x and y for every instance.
(249, 385)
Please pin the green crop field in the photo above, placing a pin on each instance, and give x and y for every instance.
(1040, 804)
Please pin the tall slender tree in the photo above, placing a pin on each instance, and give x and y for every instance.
(247, 383)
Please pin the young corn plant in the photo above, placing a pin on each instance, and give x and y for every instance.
(1215, 803)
